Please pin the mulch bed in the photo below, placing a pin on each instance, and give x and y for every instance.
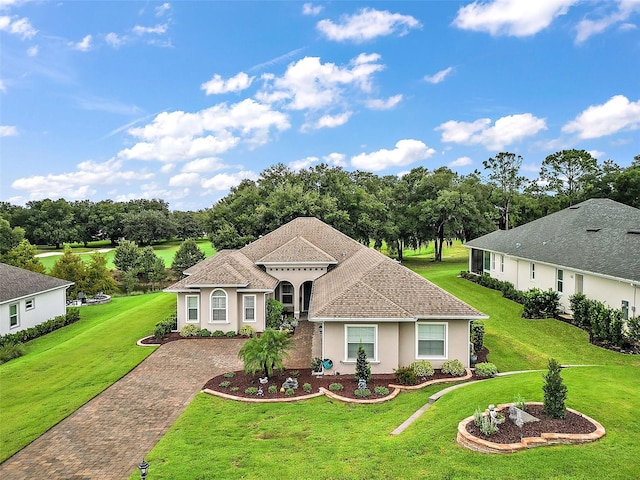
(244, 381)
(509, 432)
(173, 336)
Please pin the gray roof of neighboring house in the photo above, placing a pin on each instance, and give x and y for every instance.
(594, 236)
(363, 285)
(18, 283)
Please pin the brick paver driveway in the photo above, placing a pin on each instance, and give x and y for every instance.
(109, 436)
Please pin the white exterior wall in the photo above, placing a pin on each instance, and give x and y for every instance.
(47, 305)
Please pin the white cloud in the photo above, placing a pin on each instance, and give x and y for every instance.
(157, 30)
(184, 180)
(586, 27)
(596, 153)
(505, 130)
(310, 84)
(439, 76)
(83, 45)
(204, 165)
(180, 136)
(367, 24)
(331, 121)
(33, 51)
(405, 153)
(303, 163)
(162, 9)
(379, 104)
(224, 181)
(20, 26)
(114, 40)
(217, 85)
(99, 104)
(531, 167)
(615, 115)
(3, 87)
(336, 159)
(78, 184)
(514, 18)
(8, 131)
(167, 167)
(461, 162)
(310, 9)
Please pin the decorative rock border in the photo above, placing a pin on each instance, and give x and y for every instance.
(261, 400)
(365, 401)
(140, 344)
(476, 444)
(420, 386)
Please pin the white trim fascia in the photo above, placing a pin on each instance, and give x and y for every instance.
(220, 285)
(360, 320)
(297, 263)
(565, 267)
(16, 299)
(452, 317)
(255, 290)
(169, 290)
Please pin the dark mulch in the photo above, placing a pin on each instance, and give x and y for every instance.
(244, 381)
(509, 432)
(173, 336)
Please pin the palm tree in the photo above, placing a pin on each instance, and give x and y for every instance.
(266, 352)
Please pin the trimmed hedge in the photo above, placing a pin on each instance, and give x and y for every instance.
(508, 290)
(541, 303)
(72, 316)
(604, 324)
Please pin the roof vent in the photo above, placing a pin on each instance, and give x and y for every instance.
(518, 245)
(593, 229)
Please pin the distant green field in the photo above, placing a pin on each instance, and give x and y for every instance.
(165, 250)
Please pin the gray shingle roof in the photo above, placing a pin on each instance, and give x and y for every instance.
(592, 236)
(364, 284)
(17, 283)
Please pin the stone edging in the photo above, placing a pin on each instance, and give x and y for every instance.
(476, 444)
(365, 401)
(140, 344)
(261, 400)
(468, 375)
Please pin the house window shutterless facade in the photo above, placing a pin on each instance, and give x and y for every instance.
(532, 271)
(14, 318)
(367, 335)
(193, 308)
(560, 280)
(30, 304)
(219, 306)
(431, 340)
(249, 308)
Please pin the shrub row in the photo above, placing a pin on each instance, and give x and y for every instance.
(166, 326)
(604, 324)
(72, 316)
(486, 280)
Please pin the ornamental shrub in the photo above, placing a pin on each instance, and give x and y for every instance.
(520, 402)
(290, 392)
(9, 351)
(247, 331)
(294, 373)
(579, 304)
(225, 384)
(541, 304)
(382, 391)
(487, 427)
(251, 391)
(336, 387)
(422, 368)
(477, 417)
(204, 333)
(363, 369)
(307, 387)
(230, 334)
(218, 333)
(633, 329)
(453, 367)
(486, 369)
(229, 374)
(477, 335)
(362, 392)
(234, 389)
(555, 392)
(405, 376)
(272, 389)
(274, 314)
(189, 331)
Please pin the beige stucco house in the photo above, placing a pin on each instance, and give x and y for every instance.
(27, 298)
(592, 247)
(356, 294)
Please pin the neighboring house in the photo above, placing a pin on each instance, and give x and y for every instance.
(357, 294)
(592, 247)
(28, 298)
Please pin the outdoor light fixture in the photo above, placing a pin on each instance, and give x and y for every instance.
(144, 469)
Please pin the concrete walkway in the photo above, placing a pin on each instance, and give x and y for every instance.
(108, 437)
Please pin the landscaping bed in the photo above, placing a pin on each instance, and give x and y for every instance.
(243, 381)
(509, 432)
(173, 336)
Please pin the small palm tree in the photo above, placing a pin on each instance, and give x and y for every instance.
(266, 352)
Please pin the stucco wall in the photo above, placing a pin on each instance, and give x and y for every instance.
(46, 306)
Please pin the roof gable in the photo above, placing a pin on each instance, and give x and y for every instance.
(18, 282)
(297, 250)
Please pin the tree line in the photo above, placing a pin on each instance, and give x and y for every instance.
(402, 211)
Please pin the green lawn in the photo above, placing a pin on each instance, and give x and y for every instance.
(66, 368)
(321, 438)
(166, 251)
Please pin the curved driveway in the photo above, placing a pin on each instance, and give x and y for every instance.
(107, 437)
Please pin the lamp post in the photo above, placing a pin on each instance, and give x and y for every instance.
(144, 469)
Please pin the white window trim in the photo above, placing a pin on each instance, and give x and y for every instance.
(558, 281)
(493, 261)
(26, 304)
(226, 307)
(346, 342)
(17, 315)
(532, 272)
(501, 263)
(244, 309)
(446, 342)
(186, 305)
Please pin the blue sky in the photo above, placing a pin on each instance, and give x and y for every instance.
(181, 100)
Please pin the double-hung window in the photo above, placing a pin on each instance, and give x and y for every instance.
(249, 307)
(287, 293)
(14, 315)
(533, 271)
(367, 335)
(501, 263)
(560, 280)
(431, 340)
(219, 306)
(30, 304)
(193, 309)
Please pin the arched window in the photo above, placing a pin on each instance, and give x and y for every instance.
(219, 306)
